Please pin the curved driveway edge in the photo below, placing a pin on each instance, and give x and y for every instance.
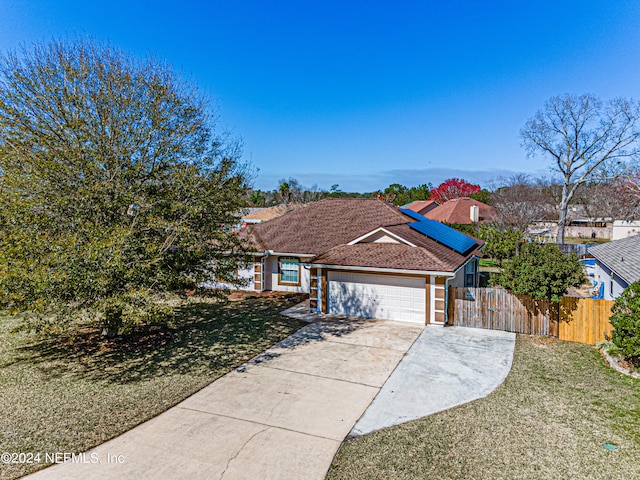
(444, 368)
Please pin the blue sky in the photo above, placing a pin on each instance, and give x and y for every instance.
(367, 93)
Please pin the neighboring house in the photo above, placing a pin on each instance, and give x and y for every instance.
(421, 206)
(463, 210)
(617, 265)
(252, 215)
(259, 215)
(363, 258)
(579, 225)
(624, 229)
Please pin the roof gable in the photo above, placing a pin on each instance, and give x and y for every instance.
(381, 235)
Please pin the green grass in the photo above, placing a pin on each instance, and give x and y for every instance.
(70, 394)
(581, 241)
(548, 420)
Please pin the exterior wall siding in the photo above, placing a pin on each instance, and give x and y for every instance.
(272, 280)
(622, 229)
(458, 280)
(245, 274)
(613, 284)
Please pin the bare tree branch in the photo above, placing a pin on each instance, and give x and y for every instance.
(584, 136)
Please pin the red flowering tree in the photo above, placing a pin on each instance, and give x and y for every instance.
(453, 188)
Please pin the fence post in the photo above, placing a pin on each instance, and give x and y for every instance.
(451, 305)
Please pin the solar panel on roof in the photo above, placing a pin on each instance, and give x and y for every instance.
(441, 233)
(412, 214)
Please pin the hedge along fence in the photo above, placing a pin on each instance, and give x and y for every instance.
(580, 320)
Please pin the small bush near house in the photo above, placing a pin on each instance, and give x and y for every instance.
(626, 323)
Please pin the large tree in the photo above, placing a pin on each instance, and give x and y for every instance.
(584, 137)
(453, 188)
(608, 200)
(401, 195)
(521, 201)
(292, 191)
(631, 185)
(114, 186)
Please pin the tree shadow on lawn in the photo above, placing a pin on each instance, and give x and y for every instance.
(205, 338)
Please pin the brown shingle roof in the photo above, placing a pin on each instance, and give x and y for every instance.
(458, 211)
(320, 226)
(421, 206)
(324, 228)
(387, 255)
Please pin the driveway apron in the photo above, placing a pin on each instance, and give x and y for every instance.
(444, 368)
(281, 415)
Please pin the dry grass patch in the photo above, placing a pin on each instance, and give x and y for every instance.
(68, 394)
(548, 420)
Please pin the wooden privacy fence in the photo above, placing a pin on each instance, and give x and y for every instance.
(574, 319)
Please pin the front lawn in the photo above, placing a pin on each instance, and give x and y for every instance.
(57, 396)
(548, 420)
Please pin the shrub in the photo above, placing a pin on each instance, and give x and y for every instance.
(541, 271)
(626, 322)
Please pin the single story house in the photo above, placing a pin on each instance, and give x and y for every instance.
(617, 265)
(463, 211)
(363, 258)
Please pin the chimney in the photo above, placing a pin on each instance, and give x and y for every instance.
(474, 213)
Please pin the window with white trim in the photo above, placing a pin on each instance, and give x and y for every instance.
(289, 271)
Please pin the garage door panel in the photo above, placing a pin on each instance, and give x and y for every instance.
(387, 297)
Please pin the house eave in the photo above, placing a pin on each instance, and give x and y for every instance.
(381, 270)
(283, 254)
(613, 271)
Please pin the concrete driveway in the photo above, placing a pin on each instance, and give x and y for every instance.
(282, 415)
(445, 367)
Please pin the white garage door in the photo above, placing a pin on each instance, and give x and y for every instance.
(386, 297)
